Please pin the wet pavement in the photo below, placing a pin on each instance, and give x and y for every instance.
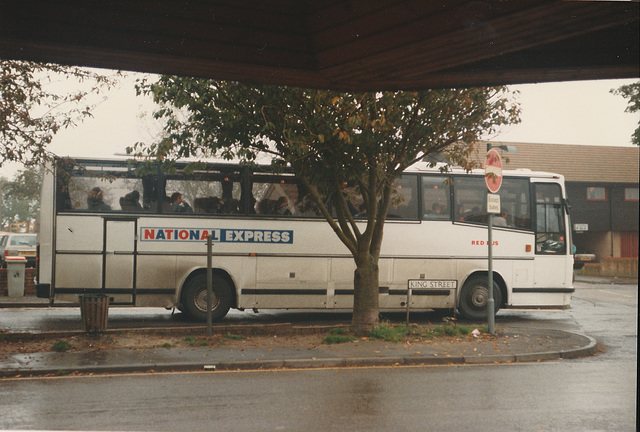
(521, 347)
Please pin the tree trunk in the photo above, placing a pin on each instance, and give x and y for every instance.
(366, 294)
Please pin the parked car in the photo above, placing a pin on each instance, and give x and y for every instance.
(18, 244)
(579, 260)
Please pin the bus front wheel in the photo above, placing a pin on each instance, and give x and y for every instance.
(475, 296)
(194, 297)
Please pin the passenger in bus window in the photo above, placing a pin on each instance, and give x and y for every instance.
(436, 209)
(210, 204)
(476, 215)
(131, 201)
(283, 206)
(306, 207)
(264, 206)
(230, 206)
(501, 219)
(439, 211)
(178, 205)
(95, 200)
(360, 211)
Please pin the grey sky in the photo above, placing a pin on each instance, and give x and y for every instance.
(579, 112)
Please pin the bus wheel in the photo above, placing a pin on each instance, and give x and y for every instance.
(194, 297)
(474, 298)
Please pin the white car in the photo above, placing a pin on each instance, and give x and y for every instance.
(18, 244)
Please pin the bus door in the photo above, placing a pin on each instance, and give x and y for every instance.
(551, 236)
(119, 260)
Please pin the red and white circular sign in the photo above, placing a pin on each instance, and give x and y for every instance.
(493, 171)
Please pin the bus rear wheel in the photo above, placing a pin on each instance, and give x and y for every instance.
(475, 296)
(194, 298)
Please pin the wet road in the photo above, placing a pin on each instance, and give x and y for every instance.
(545, 396)
(594, 393)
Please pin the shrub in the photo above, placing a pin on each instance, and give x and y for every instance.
(338, 330)
(464, 330)
(450, 331)
(429, 334)
(337, 339)
(390, 334)
(61, 346)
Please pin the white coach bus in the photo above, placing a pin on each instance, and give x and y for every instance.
(139, 236)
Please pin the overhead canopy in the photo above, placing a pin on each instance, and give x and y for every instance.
(355, 45)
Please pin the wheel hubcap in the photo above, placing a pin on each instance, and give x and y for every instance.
(480, 297)
(200, 300)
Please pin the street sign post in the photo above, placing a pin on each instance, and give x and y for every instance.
(493, 179)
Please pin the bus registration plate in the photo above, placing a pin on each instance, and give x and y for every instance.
(433, 284)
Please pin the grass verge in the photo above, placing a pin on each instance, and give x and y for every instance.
(402, 332)
(338, 335)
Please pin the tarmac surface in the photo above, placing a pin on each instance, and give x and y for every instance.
(508, 345)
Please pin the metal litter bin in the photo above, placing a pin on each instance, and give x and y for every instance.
(94, 309)
(15, 275)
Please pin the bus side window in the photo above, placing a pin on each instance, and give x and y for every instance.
(404, 198)
(435, 198)
(470, 199)
(515, 203)
(275, 195)
(470, 202)
(90, 194)
(215, 192)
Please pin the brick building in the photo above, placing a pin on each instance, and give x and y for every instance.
(602, 187)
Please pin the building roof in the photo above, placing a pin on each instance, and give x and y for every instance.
(578, 163)
(344, 45)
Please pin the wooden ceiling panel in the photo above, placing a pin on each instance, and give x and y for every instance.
(469, 44)
(198, 35)
(356, 45)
